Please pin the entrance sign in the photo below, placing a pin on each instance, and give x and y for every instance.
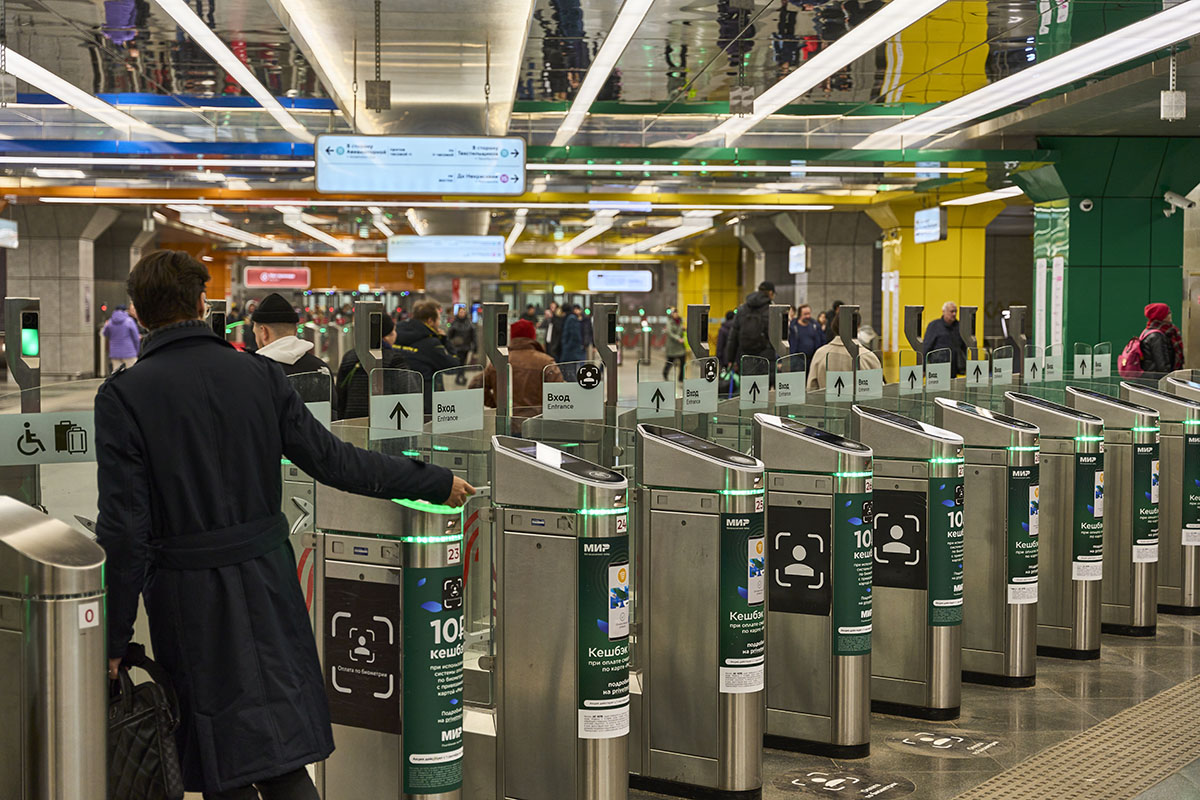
(937, 377)
(458, 410)
(446, 249)
(395, 415)
(420, 164)
(572, 401)
(1033, 369)
(700, 395)
(1002, 369)
(790, 388)
(870, 384)
(57, 437)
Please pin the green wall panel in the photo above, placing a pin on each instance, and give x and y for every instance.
(1125, 232)
(1084, 228)
(1133, 172)
(1166, 237)
(1124, 293)
(1166, 286)
(1080, 301)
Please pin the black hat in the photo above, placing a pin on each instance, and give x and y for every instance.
(388, 325)
(766, 286)
(274, 310)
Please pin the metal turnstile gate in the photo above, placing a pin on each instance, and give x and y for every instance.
(1179, 495)
(1071, 529)
(701, 645)
(1129, 589)
(819, 525)
(999, 642)
(916, 666)
(390, 632)
(559, 727)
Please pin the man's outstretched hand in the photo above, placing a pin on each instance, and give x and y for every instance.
(459, 493)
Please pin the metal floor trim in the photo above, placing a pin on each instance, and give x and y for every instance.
(1115, 760)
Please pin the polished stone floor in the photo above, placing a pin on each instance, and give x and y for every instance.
(999, 728)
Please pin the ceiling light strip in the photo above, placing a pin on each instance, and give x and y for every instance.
(94, 107)
(624, 27)
(688, 226)
(223, 202)
(985, 197)
(377, 219)
(518, 229)
(211, 43)
(292, 218)
(797, 169)
(139, 161)
(603, 224)
(1145, 36)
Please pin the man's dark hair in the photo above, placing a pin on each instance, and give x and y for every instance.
(766, 286)
(426, 311)
(837, 304)
(802, 306)
(730, 315)
(165, 286)
(837, 323)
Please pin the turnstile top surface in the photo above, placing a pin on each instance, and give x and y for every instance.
(983, 427)
(1183, 387)
(1170, 407)
(529, 473)
(354, 513)
(1115, 413)
(43, 556)
(893, 435)
(670, 457)
(784, 444)
(1054, 420)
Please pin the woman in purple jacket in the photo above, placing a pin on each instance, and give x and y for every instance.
(124, 339)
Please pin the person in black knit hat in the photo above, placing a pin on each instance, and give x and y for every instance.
(275, 323)
(352, 395)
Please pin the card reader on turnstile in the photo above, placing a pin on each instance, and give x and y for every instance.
(701, 613)
(999, 642)
(918, 571)
(559, 727)
(1179, 495)
(1129, 589)
(819, 525)
(1071, 525)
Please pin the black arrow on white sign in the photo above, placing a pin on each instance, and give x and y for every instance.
(657, 398)
(754, 390)
(912, 379)
(399, 414)
(839, 384)
(977, 373)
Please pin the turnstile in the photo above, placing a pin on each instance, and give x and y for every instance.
(999, 640)
(54, 710)
(390, 633)
(701, 618)
(1129, 589)
(819, 524)
(916, 666)
(559, 727)
(1179, 496)
(1071, 529)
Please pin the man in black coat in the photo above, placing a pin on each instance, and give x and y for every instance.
(942, 334)
(423, 346)
(275, 323)
(749, 335)
(352, 388)
(202, 537)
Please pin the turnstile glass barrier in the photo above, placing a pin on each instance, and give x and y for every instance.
(1179, 495)
(1071, 529)
(299, 489)
(700, 598)
(917, 595)
(1129, 588)
(999, 638)
(573, 413)
(819, 519)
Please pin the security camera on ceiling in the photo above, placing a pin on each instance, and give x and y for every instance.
(1176, 201)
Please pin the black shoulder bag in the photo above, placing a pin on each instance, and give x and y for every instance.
(142, 761)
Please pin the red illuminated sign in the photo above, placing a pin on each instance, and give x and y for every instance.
(277, 278)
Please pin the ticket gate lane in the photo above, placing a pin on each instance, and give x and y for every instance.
(819, 559)
(1001, 528)
(917, 589)
(1189, 577)
(1179, 495)
(1129, 588)
(1071, 525)
(701, 642)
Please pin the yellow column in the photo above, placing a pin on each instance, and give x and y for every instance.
(710, 276)
(928, 274)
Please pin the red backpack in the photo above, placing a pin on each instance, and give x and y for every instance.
(1129, 363)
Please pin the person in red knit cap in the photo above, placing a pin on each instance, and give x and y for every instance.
(529, 362)
(1162, 345)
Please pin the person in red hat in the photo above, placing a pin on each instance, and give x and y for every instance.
(1162, 345)
(529, 362)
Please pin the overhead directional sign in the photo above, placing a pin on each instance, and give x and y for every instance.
(1033, 369)
(420, 164)
(790, 389)
(912, 379)
(396, 414)
(656, 399)
(978, 373)
(839, 387)
(445, 249)
(754, 391)
(58, 437)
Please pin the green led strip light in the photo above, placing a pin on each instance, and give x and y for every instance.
(428, 508)
(411, 453)
(603, 512)
(430, 539)
(440, 448)
(853, 474)
(1144, 429)
(1191, 422)
(1025, 448)
(1095, 438)
(954, 460)
(742, 492)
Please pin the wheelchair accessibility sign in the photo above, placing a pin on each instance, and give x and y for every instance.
(58, 437)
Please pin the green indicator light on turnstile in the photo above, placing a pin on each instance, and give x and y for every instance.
(568, 444)
(958, 460)
(284, 461)
(411, 453)
(604, 512)
(1145, 429)
(1025, 448)
(432, 539)
(429, 508)
(741, 492)
(441, 448)
(1096, 438)
(322, 330)
(866, 474)
(232, 325)
(30, 345)
(1191, 422)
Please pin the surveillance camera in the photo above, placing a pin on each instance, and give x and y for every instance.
(1178, 201)
(1169, 211)
(1086, 205)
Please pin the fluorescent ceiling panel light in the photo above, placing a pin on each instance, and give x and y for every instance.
(724, 168)
(238, 185)
(686, 227)
(600, 223)
(327, 257)
(498, 205)
(50, 172)
(138, 161)
(855, 43)
(378, 220)
(294, 220)
(625, 261)
(985, 197)
(205, 211)
(230, 232)
(1145, 36)
(204, 176)
(75, 97)
(211, 43)
(624, 27)
(518, 229)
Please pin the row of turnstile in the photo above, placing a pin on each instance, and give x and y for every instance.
(616, 659)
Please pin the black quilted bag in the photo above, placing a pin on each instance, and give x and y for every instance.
(142, 761)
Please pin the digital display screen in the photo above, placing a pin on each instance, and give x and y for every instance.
(704, 327)
(30, 338)
(439, 165)
(502, 333)
(375, 334)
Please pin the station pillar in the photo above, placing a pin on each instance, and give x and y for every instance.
(928, 274)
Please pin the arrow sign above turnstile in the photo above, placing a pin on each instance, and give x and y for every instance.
(912, 379)
(656, 399)
(978, 373)
(839, 387)
(754, 392)
(1033, 369)
(396, 414)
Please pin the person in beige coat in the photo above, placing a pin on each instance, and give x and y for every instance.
(834, 356)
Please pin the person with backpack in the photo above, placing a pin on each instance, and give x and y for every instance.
(1157, 349)
(749, 336)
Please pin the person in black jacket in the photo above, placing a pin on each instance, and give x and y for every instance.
(352, 388)
(942, 334)
(422, 345)
(749, 336)
(723, 336)
(275, 324)
(462, 339)
(201, 537)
